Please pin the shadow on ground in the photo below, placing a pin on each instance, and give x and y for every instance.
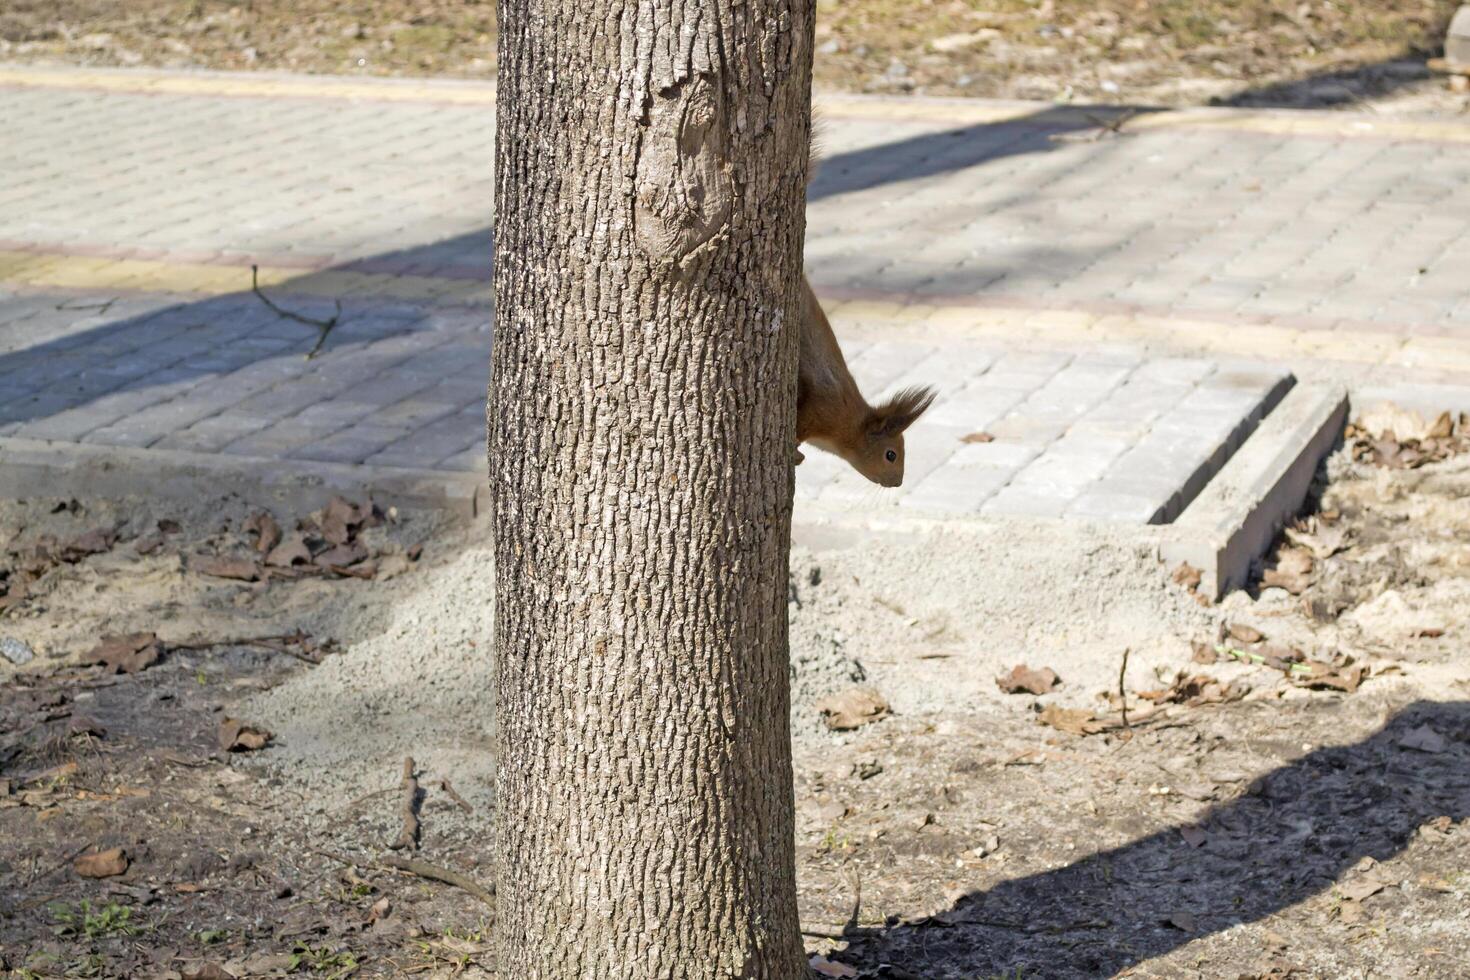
(1295, 832)
(1342, 88)
(931, 154)
(209, 375)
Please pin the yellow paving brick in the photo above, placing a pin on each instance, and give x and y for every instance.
(1357, 347)
(1121, 327)
(273, 275)
(74, 274)
(977, 318)
(336, 282)
(1075, 320)
(869, 310)
(1440, 353)
(914, 313)
(414, 287)
(180, 83)
(36, 272)
(192, 278)
(14, 264)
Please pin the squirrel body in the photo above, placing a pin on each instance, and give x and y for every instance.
(833, 415)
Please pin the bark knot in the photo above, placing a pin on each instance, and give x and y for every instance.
(685, 191)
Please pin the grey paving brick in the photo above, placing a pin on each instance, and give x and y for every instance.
(211, 435)
(1334, 227)
(351, 445)
(279, 438)
(1101, 504)
(469, 461)
(1027, 502)
(954, 490)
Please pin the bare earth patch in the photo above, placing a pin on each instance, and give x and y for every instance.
(1178, 52)
(1288, 795)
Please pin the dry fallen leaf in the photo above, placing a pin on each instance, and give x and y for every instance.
(853, 708)
(102, 864)
(238, 736)
(1023, 679)
(85, 725)
(267, 532)
(1386, 418)
(1424, 739)
(1245, 634)
(1188, 576)
(1203, 653)
(1074, 721)
(206, 971)
(241, 569)
(341, 556)
(978, 437)
(1197, 689)
(291, 551)
(1293, 571)
(93, 542)
(148, 543)
(824, 967)
(1322, 542)
(1183, 921)
(1345, 679)
(1361, 888)
(126, 654)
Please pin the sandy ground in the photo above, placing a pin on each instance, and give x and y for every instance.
(1289, 797)
(1340, 54)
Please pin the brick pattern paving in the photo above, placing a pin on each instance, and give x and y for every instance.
(1272, 235)
(1092, 436)
(1095, 435)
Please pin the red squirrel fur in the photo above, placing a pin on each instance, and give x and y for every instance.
(833, 415)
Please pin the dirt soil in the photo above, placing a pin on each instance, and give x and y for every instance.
(1322, 53)
(1288, 796)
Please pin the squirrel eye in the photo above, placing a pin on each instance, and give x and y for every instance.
(890, 455)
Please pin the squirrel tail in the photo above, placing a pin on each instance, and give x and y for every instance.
(900, 411)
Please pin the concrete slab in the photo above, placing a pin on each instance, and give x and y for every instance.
(1238, 515)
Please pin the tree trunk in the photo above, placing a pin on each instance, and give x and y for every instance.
(650, 172)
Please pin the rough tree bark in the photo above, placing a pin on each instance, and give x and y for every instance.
(650, 172)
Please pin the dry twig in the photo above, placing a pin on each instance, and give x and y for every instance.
(423, 869)
(287, 643)
(324, 326)
(409, 836)
(435, 873)
(460, 801)
(1122, 693)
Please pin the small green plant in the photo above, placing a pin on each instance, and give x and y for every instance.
(208, 937)
(320, 959)
(835, 840)
(111, 919)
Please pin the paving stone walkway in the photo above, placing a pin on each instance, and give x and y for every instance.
(127, 236)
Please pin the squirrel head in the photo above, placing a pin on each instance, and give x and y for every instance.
(879, 455)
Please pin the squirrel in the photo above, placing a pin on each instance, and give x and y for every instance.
(833, 415)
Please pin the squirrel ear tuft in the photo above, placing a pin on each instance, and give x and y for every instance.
(900, 411)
